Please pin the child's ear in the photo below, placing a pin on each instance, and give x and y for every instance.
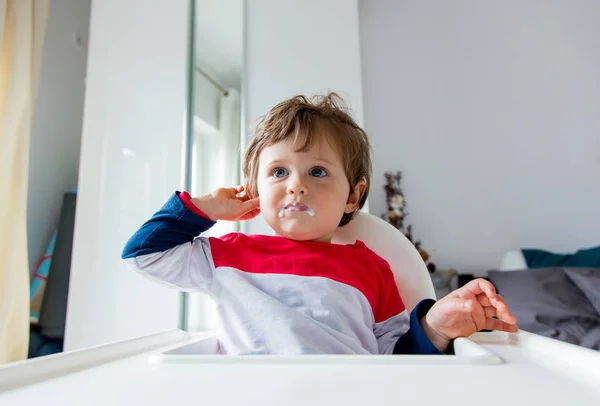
(355, 196)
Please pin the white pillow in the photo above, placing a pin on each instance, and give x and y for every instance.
(513, 261)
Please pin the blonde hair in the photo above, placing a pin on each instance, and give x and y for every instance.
(305, 120)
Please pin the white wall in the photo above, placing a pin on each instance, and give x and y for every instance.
(56, 130)
(492, 112)
(131, 162)
(299, 47)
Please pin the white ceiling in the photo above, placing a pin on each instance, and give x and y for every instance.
(219, 40)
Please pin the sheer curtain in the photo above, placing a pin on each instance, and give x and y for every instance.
(215, 163)
(22, 27)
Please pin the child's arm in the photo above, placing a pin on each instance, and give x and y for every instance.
(472, 308)
(415, 339)
(397, 331)
(165, 248)
(433, 325)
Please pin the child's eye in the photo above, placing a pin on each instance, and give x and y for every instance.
(279, 172)
(318, 172)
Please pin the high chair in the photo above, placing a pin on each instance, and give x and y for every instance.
(181, 367)
(410, 272)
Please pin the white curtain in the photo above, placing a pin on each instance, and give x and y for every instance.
(216, 163)
(22, 27)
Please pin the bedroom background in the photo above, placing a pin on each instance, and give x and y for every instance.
(491, 111)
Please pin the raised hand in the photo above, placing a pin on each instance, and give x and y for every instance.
(228, 204)
(465, 311)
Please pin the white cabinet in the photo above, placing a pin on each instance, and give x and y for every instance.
(132, 155)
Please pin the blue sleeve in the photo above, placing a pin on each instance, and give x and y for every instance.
(173, 225)
(415, 341)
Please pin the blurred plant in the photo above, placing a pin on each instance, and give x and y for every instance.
(397, 213)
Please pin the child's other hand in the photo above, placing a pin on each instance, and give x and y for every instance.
(228, 204)
(465, 311)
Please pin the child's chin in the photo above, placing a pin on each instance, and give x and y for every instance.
(297, 230)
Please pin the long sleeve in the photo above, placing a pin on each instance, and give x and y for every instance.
(415, 341)
(166, 249)
(396, 331)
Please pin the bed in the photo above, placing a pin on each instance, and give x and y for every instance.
(553, 295)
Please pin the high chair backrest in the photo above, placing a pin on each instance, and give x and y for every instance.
(410, 272)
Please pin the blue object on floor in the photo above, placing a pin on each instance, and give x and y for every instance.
(40, 345)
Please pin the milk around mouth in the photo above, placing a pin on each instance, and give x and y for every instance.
(296, 207)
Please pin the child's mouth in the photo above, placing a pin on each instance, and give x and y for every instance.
(296, 207)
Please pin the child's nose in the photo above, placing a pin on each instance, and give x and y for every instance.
(297, 187)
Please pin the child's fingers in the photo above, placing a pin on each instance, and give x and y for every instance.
(457, 305)
(487, 288)
(499, 309)
(502, 309)
(484, 300)
(490, 311)
(479, 286)
(249, 205)
(496, 324)
(238, 192)
(251, 214)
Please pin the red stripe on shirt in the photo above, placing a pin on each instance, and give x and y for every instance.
(186, 199)
(354, 265)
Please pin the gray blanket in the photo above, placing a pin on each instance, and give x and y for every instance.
(561, 303)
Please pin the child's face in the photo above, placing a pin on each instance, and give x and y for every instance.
(303, 195)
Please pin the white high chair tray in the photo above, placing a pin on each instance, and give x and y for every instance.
(204, 350)
(490, 368)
